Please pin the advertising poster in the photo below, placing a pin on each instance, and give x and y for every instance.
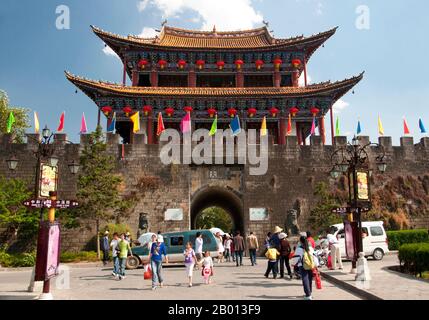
(48, 180)
(362, 185)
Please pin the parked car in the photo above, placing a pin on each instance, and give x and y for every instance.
(375, 242)
(175, 243)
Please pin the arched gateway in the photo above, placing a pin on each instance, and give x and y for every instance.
(223, 197)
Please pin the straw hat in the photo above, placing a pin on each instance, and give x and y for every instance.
(282, 235)
(128, 233)
(277, 229)
(106, 232)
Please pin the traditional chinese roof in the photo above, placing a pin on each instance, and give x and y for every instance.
(174, 38)
(100, 88)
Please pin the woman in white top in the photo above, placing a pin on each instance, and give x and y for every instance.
(227, 245)
(220, 247)
(190, 260)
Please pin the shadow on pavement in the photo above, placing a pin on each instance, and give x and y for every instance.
(18, 297)
(277, 297)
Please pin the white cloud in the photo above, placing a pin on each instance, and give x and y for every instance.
(109, 52)
(224, 14)
(340, 105)
(148, 33)
(141, 5)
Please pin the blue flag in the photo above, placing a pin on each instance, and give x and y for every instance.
(359, 130)
(235, 126)
(421, 126)
(112, 124)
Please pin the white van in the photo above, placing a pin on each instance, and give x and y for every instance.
(375, 243)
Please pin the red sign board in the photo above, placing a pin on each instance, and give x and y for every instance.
(48, 251)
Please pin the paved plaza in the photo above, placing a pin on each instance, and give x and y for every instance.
(230, 282)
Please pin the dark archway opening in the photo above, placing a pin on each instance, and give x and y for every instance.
(229, 200)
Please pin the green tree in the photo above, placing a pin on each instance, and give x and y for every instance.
(321, 216)
(17, 219)
(21, 118)
(98, 184)
(214, 217)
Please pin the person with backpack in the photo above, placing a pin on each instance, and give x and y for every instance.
(305, 261)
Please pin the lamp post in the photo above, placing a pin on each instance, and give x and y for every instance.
(352, 160)
(44, 156)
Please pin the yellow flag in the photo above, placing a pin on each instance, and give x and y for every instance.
(380, 127)
(264, 127)
(36, 123)
(135, 118)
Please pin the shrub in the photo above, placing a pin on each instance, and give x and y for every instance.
(414, 258)
(17, 260)
(398, 238)
(67, 257)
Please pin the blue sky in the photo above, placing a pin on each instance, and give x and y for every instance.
(393, 51)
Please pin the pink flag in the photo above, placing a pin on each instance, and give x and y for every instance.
(313, 127)
(185, 125)
(61, 125)
(83, 128)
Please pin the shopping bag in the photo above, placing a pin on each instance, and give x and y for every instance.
(329, 262)
(147, 273)
(317, 279)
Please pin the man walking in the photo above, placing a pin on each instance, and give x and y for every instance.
(104, 246)
(252, 244)
(198, 249)
(238, 248)
(285, 250)
(115, 250)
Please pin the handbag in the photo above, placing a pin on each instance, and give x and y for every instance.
(147, 275)
(317, 279)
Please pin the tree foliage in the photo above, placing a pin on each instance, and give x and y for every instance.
(214, 217)
(321, 216)
(21, 118)
(14, 216)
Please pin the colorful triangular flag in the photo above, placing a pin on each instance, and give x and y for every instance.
(213, 129)
(421, 126)
(185, 124)
(235, 126)
(264, 127)
(160, 128)
(380, 127)
(112, 123)
(83, 128)
(289, 125)
(61, 124)
(313, 127)
(359, 129)
(406, 129)
(135, 119)
(36, 123)
(337, 127)
(10, 122)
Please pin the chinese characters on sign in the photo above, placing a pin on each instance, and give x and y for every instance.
(48, 180)
(258, 214)
(174, 215)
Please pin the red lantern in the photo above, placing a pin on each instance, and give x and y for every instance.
(220, 64)
(181, 64)
(211, 112)
(274, 111)
(200, 64)
(251, 112)
(169, 111)
(239, 63)
(127, 110)
(294, 111)
(147, 110)
(232, 112)
(296, 63)
(188, 109)
(259, 64)
(277, 63)
(162, 63)
(314, 111)
(107, 110)
(143, 63)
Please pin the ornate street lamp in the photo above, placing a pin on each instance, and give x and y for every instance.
(53, 161)
(352, 160)
(46, 133)
(74, 167)
(12, 163)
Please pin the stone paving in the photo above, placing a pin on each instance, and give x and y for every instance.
(386, 284)
(230, 282)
